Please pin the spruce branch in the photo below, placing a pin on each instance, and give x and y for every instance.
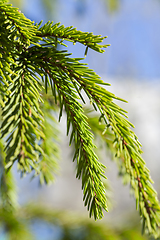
(127, 144)
(140, 180)
(69, 77)
(53, 32)
(21, 32)
(29, 58)
(19, 28)
(22, 119)
(88, 166)
(145, 200)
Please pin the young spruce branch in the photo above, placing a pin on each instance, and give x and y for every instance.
(31, 62)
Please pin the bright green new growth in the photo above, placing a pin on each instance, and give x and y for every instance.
(30, 63)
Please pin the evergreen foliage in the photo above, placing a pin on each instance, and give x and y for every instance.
(31, 67)
(67, 224)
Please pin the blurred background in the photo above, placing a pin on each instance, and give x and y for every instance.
(132, 66)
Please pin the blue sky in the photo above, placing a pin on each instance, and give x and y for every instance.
(133, 32)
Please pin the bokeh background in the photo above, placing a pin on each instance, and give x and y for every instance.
(132, 66)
